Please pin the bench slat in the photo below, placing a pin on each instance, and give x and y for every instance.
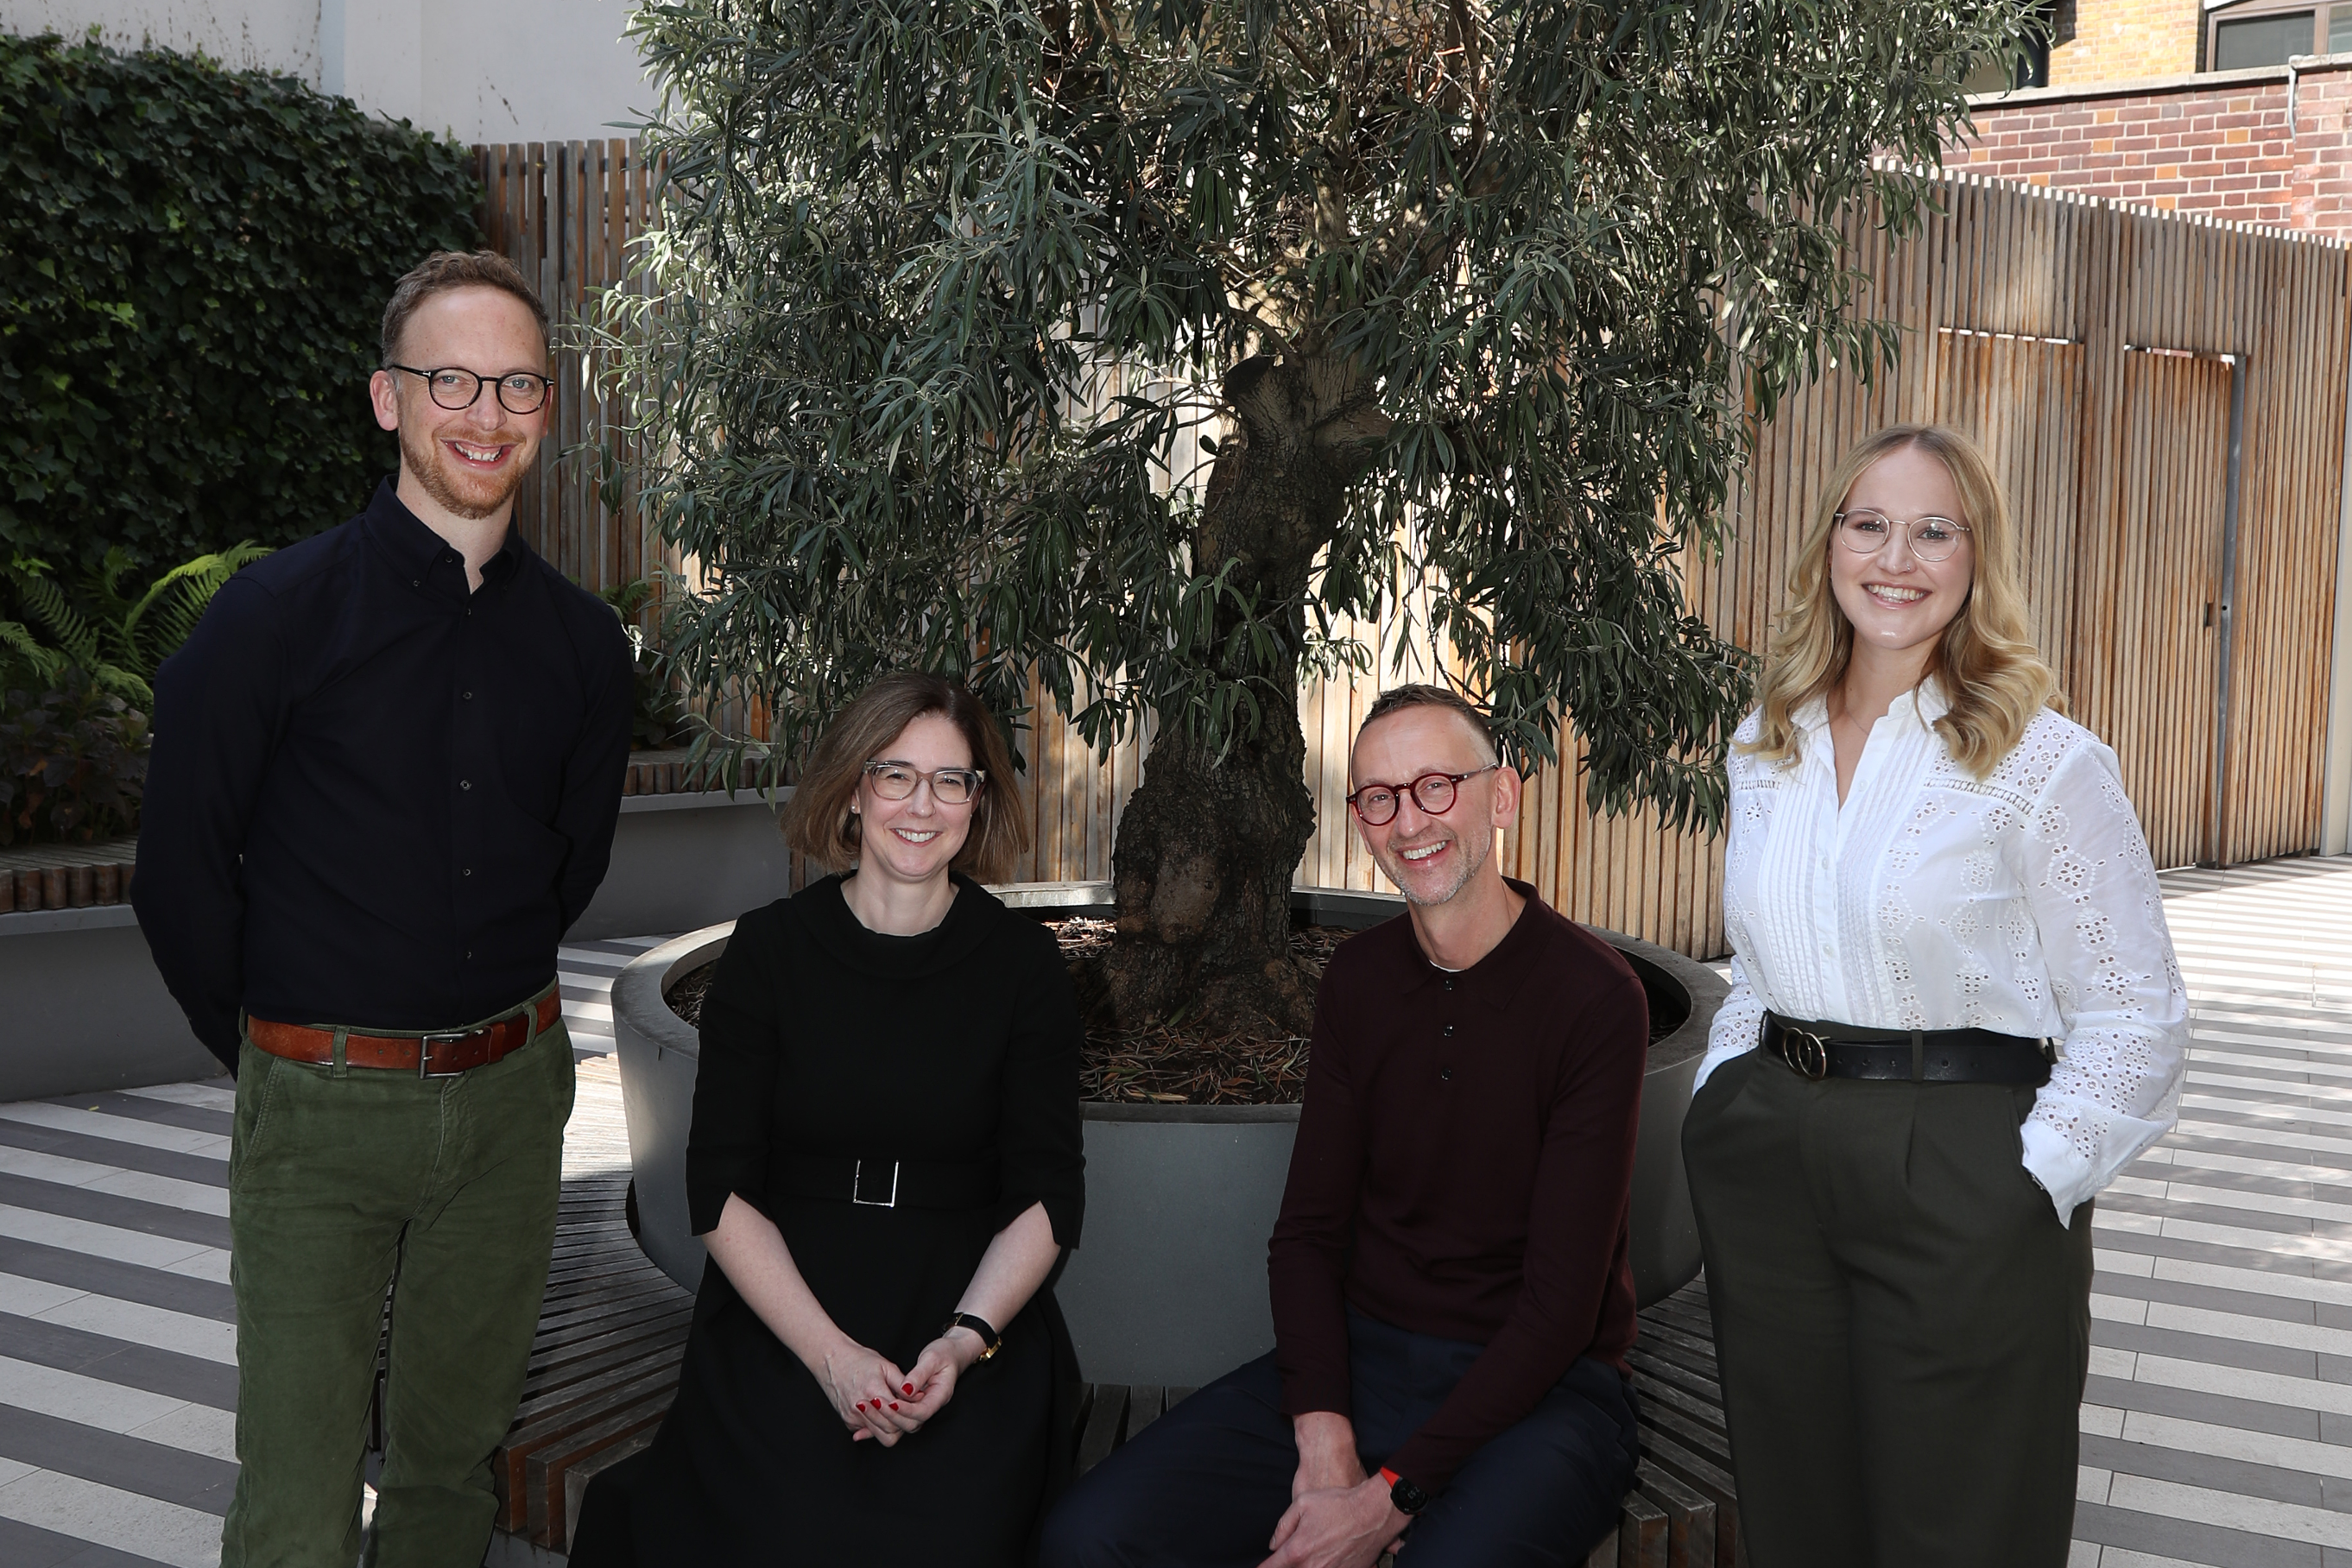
(1642, 1533)
(1104, 1420)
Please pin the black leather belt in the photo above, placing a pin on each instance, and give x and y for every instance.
(888, 1184)
(1819, 1050)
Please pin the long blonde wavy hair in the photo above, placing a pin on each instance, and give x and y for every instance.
(1986, 660)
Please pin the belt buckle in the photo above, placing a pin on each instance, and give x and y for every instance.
(425, 1044)
(1807, 1052)
(857, 1185)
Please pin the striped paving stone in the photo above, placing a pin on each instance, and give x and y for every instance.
(2217, 1424)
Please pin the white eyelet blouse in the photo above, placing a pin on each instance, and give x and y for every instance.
(2024, 903)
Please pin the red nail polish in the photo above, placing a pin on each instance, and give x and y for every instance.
(894, 1404)
(910, 1389)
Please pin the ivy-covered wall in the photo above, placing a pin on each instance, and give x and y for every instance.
(193, 264)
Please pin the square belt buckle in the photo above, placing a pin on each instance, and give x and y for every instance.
(857, 1187)
(1807, 1052)
(425, 1044)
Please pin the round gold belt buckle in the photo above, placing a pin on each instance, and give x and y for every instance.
(1808, 1053)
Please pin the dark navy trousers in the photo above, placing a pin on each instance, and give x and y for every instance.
(1205, 1485)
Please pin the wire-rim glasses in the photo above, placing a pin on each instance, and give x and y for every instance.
(1865, 530)
(457, 389)
(1376, 803)
(949, 786)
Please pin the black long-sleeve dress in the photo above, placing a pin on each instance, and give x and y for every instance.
(951, 1056)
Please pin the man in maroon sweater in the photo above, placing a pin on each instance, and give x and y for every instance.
(1452, 1297)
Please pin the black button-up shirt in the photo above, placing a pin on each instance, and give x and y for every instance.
(375, 798)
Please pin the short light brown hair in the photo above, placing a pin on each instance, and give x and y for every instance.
(445, 270)
(818, 821)
(1415, 695)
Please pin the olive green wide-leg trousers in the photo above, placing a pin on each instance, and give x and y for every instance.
(339, 1181)
(1902, 1325)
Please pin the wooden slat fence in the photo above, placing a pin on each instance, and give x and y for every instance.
(2163, 397)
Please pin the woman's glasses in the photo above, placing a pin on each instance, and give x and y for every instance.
(1931, 538)
(949, 786)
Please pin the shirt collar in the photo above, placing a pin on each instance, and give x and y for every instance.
(1495, 978)
(420, 554)
(1922, 705)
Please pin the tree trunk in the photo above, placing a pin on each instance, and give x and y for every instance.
(1209, 843)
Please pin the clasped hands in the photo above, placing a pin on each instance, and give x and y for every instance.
(1338, 1518)
(876, 1400)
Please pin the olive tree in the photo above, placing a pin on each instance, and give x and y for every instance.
(1141, 344)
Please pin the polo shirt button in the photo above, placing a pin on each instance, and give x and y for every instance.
(1449, 1029)
(469, 697)
(1446, 1076)
(465, 783)
(467, 872)
(1449, 983)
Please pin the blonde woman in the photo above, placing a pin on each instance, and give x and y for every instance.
(886, 1165)
(1955, 1015)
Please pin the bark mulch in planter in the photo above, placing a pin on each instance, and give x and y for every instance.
(1167, 1062)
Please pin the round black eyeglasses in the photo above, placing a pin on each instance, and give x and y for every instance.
(1376, 803)
(519, 391)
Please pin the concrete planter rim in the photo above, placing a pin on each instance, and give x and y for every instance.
(642, 991)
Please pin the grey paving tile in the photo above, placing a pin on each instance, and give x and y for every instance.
(118, 1360)
(29, 1546)
(2188, 1541)
(114, 1151)
(107, 1208)
(2238, 1476)
(2214, 1298)
(123, 1281)
(2193, 1405)
(114, 1459)
(167, 1112)
(2208, 1349)
(2214, 1252)
(2210, 1213)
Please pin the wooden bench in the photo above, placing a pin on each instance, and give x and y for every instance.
(605, 1364)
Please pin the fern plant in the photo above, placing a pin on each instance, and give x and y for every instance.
(98, 625)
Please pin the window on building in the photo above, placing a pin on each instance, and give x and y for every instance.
(2339, 30)
(2246, 34)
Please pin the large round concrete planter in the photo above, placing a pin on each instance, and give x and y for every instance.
(1169, 1286)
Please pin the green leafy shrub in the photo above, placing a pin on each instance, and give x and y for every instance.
(73, 763)
(193, 264)
(117, 638)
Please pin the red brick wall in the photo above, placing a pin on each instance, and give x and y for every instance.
(2215, 143)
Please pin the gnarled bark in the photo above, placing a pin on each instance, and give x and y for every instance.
(1209, 842)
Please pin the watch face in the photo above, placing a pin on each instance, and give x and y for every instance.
(1408, 1498)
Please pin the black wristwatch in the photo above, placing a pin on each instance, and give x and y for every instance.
(1404, 1496)
(980, 1326)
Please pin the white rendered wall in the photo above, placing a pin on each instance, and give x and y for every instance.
(481, 71)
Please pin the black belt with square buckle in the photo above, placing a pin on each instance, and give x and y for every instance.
(1819, 1050)
(881, 1184)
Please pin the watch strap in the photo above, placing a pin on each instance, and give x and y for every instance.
(1406, 1498)
(978, 1325)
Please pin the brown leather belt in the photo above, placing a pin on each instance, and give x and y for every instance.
(426, 1055)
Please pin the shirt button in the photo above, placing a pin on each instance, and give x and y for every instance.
(1449, 1029)
(1828, 951)
(467, 872)
(1446, 1076)
(1449, 983)
(469, 697)
(465, 783)
(416, 582)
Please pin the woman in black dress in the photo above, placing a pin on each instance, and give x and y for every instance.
(886, 1166)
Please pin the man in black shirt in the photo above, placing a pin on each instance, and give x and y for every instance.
(386, 775)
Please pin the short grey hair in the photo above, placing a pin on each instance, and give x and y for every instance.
(1417, 695)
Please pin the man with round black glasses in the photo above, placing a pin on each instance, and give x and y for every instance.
(387, 771)
(1453, 1299)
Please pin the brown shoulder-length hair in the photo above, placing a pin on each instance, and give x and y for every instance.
(1985, 661)
(817, 821)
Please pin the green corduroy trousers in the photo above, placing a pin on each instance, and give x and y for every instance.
(1901, 1322)
(345, 1182)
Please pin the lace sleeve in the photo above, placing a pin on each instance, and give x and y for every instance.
(1734, 1030)
(2114, 981)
